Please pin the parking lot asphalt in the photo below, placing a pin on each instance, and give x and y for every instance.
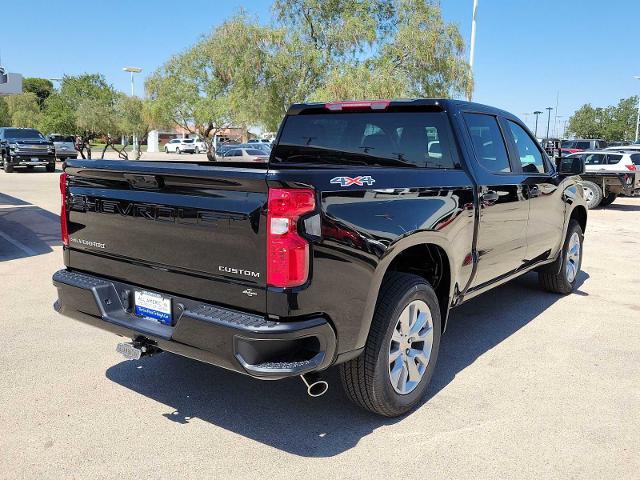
(528, 384)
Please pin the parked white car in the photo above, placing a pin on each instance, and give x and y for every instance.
(245, 155)
(180, 145)
(610, 160)
(200, 146)
(630, 148)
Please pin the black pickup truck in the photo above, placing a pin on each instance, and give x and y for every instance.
(25, 147)
(370, 221)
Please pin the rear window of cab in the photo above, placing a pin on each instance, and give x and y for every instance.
(402, 139)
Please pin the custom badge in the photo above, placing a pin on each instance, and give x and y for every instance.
(349, 181)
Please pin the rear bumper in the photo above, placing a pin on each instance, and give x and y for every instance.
(239, 341)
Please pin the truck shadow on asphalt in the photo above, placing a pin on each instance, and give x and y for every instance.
(281, 415)
(26, 230)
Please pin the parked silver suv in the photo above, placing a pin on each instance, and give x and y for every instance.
(64, 145)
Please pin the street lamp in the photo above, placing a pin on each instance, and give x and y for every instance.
(472, 48)
(133, 70)
(537, 114)
(638, 117)
(548, 109)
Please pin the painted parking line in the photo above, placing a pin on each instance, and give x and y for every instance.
(28, 251)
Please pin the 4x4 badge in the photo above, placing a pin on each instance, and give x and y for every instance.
(348, 181)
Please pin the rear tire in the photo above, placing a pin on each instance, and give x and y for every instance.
(178, 151)
(564, 281)
(592, 194)
(391, 375)
(51, 167)
(609, 199)
(166, 150)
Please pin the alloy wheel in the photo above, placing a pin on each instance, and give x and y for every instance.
(573, 257)
(410, 347)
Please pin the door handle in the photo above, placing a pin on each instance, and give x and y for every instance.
(490, 196)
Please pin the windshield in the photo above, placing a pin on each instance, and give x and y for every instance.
(405, 139)
(22, 134)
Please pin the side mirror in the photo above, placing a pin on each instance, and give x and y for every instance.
(571, 166)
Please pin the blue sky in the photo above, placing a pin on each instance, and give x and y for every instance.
(526, 51)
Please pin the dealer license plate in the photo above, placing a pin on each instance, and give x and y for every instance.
(153, 305)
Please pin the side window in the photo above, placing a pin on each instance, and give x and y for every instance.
(613, 159)
(594, 159)
(488, 142)
(529, 154)
(635, 158)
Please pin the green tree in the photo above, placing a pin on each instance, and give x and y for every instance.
(314, 50)
(192, 90)
(615, 122)
(5, 118)
(24, 110)
(131, 117)
(90, 101)
(41, 87)
(58, 116)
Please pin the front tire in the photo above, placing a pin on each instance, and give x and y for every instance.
(178, 151)
(166, 150)
(8, 168)
(564, 281)
(592, 194)
(391, 375)
(51, 167)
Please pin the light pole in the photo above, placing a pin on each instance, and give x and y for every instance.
(548, 109)
(557, 124)
(537, 114)
(472, 47)
(133, 70)
(638, 116)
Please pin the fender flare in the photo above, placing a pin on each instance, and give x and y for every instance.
(395, 249)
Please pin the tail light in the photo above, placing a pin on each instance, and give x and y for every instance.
(631, 167)
(64, 226)
(287, 251)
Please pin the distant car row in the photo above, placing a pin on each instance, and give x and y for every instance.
(252, 151)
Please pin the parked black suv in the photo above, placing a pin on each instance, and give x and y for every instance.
(369, 223)
(25, 147)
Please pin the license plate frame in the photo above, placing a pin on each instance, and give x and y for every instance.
(153, 306)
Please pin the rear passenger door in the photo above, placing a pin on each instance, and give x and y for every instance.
(540, 186)
(504, 208)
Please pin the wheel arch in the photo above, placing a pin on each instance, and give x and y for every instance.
(405, 256)
(579, 214)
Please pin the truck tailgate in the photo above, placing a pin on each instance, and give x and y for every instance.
(182, 228)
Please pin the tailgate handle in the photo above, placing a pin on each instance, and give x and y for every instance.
(143, 182)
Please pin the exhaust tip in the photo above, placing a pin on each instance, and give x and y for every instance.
(315, 386)
(318, 388)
